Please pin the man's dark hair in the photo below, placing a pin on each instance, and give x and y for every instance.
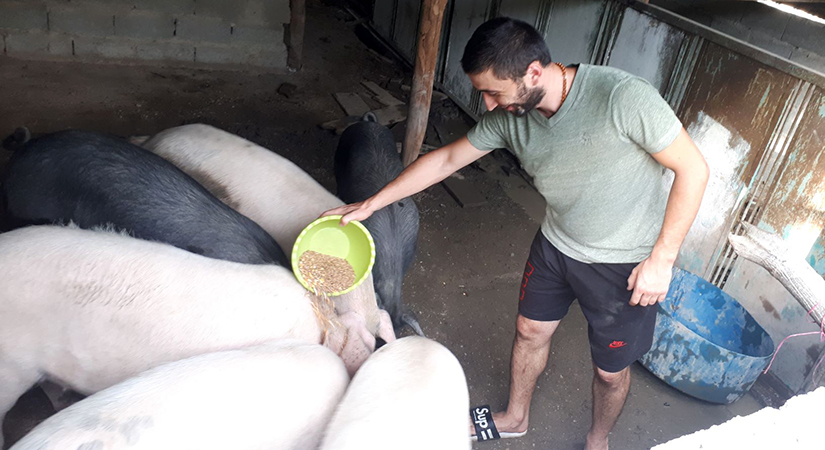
(505, 45)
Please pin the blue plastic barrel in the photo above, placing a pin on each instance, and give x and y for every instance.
(706, 344)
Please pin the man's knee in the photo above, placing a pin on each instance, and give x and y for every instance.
(534, 331)
(612, 378)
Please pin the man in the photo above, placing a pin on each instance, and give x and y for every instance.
(596, 140)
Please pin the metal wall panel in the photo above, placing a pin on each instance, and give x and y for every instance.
(795, 210)
(405, 31)
(467, 15)
(572, 29)
(526, 10)
(383, 16)
(730, 107)
(647, 47)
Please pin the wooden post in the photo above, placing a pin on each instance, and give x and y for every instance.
(429, 35)
(295, 47)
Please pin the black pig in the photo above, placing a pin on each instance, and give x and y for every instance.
(366, 160)
(95, 179)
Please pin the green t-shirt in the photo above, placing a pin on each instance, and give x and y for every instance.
(591, 162)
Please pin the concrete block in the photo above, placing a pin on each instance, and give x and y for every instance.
(23, 16)
(145, 25)
(60, 44)
(83, 20)
(700, 17)
(228, 10)
(174, 7)
(765, 20)
(809, 59)
(248, 12)
(731, 11)
(108, 47)
(731, 28)
(203, 29)
(19, 43)
(771, 44)
(276, 12)
(39, 42)
(257, 35)
(806, 34)
(166, 51)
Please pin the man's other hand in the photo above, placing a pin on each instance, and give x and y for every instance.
(649, 282)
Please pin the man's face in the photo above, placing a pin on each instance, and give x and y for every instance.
(514, 96)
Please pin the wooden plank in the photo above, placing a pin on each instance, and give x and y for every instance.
(439, 97)
(391, 114)
(352, 103)
(339, 125)
(381, 95)
(465, 193)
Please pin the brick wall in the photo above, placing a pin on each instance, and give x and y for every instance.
(246, 32)
(797, 39)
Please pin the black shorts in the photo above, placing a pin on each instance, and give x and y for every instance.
(619, 333)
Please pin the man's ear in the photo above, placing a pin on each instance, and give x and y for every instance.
(533, 75)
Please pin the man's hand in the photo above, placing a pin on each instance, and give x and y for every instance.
(356, 211)
(649, 282)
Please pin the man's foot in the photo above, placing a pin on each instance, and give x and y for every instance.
(593, 443)
(504, 424)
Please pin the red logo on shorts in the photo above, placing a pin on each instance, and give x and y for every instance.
(617, 344)
(527, 272)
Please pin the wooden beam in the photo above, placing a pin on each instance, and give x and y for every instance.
(429, 35)
(295, 45)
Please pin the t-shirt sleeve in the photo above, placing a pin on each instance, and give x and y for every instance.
(643, 116)
(488, 133)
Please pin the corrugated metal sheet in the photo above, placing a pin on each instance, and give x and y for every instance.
(405, 31)
(647, 47)
(795, 209)
(383, 16)
(467, 15)
(526, 10)
(730, 107)
(572, 29)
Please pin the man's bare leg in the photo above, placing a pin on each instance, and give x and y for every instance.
(530, 349)
(609, 394)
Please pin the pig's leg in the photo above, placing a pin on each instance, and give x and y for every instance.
(352, 341)
(60, 396)
(138, 140)
(409, 318)
(385, 329)
(14, 382)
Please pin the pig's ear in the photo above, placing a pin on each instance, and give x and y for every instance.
(17, 139)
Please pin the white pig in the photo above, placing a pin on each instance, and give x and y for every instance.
(265, 397)
(270, 190)
(88, 309)
(409, 395)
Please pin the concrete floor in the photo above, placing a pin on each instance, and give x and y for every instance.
(464, 283)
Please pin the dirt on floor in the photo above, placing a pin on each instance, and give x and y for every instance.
(464, 283)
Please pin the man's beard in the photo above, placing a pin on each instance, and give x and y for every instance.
(528, 100)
